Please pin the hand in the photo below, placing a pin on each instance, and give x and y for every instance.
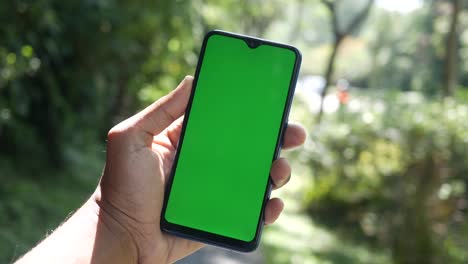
(140, 153)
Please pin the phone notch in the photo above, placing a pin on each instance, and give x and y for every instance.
(253, 43)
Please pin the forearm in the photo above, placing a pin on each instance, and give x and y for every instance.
(89, 236)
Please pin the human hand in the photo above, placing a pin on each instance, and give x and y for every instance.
(140, 153)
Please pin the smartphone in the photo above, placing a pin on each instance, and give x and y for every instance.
(232, 131)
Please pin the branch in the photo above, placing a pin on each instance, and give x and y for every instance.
(359, 18)
(334, 17)
(329, 4)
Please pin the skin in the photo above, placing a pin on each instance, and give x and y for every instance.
(120, 221)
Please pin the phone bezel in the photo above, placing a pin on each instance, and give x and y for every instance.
(207, 237)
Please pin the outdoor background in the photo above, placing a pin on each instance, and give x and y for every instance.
(382, 179)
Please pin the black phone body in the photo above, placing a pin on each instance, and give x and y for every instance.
(232, 131)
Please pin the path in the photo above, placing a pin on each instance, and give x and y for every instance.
(213, 255)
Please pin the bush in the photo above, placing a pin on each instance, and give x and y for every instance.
(392, 170)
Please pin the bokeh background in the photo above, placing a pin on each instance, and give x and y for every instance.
(383, 92)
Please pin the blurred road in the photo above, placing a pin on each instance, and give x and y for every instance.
(213, 255)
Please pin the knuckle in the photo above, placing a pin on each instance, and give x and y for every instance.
(120, 130)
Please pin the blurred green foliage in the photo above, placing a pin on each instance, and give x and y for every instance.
(68, 71)
(31, 208)
(388, 170)
(77, 65)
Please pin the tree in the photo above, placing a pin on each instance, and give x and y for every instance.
(74, 65)
(451, 52)
(339, 34)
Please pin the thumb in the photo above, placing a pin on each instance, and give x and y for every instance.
(160, 114)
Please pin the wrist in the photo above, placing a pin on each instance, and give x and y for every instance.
(113, 241)
(90, 235)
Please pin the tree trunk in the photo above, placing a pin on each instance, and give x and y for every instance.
(451, 51)
(414, 241)
(339, 35)
(328, 75)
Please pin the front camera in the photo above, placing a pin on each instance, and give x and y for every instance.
(252, 43)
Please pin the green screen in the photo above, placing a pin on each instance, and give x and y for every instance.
(230, 138)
